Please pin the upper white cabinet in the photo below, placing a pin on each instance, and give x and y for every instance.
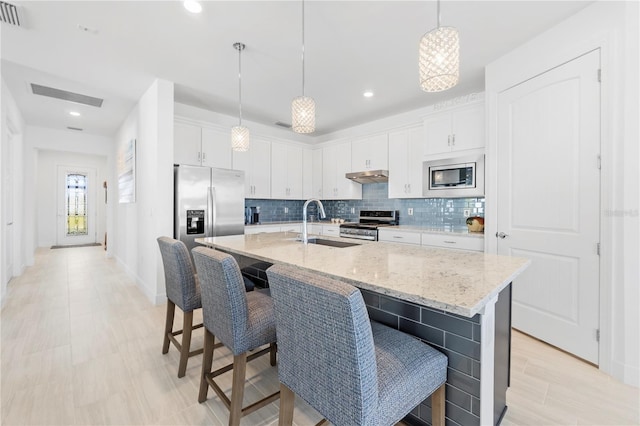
(454, 130)
(201, 146)
(370, 153)
(405, 163)
(307, 173)
(336, 163)
(256, 164)
(316, 173)
(216, 148)
(286, 171)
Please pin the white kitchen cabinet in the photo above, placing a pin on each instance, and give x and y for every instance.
(453, 241)
(256, 164)
(396, 236)
(314, 229)
(336, 163)
(405, 163)
(316, 174)
(259, 229)
(201, 146)
(187, 144)
(370, 153)
(286, 171)
(293, 227)
(458, 129)
(216, 148)
(307, 173)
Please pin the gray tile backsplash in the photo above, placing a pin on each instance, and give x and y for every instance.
(445, 213)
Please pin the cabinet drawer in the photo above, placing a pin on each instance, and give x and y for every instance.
(292, 228)
(399, 236)
(453, 241)
(331, 230)
(260, 229)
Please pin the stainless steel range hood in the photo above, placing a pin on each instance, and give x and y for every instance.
(370, 176)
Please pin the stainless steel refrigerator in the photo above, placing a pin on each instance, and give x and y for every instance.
(207, 203)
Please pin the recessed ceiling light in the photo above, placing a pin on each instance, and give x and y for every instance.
(193, 6)
(74, 113)
(368, 94)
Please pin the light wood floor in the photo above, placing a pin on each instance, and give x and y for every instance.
(82, 345)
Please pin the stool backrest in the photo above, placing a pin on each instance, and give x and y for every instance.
(224, 299)
(179, 274)
(326, 353)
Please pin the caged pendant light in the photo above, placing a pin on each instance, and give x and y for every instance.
(303, 108)
(239, 133)
(439, 58)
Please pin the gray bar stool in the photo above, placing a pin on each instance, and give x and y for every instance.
(183, 290)
(242, 321)
(352, 371)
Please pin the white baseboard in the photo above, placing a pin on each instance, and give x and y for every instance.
(155, 299)
(628, 374)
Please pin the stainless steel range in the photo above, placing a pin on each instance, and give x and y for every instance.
(370, 221)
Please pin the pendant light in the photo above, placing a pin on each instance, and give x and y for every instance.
(239, 133)
(303, 108)
(439, 58)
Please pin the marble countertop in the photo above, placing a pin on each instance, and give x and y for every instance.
(459, 282)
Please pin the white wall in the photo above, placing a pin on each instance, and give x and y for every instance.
(12, 125)
(138, 224)
(613, 28)
(48, 192)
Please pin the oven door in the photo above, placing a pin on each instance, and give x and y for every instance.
(454, 178)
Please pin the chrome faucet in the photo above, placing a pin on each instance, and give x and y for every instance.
(305, 234)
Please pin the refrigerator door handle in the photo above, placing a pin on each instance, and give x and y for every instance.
(212, 211)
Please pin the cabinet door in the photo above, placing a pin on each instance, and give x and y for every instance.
(216, 148)
(437, 133)
(186, 144)
(346, 188)
(329, 173)
(242, 161)
(261, 168)
(468, 127)
(415, 153)
(316, 174)
(398, 167)
(294, 172)
(279, 163)
(370, 153)
(307, 173)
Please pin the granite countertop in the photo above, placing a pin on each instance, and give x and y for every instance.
(458, 282)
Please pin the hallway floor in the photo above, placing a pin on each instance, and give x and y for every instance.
(82, 345)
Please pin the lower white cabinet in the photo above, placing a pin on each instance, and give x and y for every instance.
(291, 228)
(333, 230)
(314, 229)
(453, 241)
(395, 236)
(259, 229)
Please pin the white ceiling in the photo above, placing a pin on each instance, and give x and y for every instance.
(351, 46)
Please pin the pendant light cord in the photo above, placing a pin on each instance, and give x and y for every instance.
(240, 47)
(302, 47)
(438, 3)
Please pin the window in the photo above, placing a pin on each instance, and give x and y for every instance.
(76, 204)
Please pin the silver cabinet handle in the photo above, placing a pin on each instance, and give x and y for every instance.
(449, 242)
(501, 235)
(397, 237)
(204, 156)
(198, 155)
(449, 140)
(453, 139)
(409, 187)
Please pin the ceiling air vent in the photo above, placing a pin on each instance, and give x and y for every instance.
(78, 129)
(9, 14)
(66, 96)
(281, 124)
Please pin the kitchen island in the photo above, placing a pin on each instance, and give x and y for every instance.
(457, 301)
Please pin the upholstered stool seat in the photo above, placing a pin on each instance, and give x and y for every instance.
(183, 290)
(352, 371)
(242, 321)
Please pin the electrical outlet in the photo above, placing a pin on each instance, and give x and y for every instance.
(467, 212)
(286, 210)
(410, 211)
(353, 210)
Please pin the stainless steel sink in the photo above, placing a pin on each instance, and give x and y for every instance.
(331, 243)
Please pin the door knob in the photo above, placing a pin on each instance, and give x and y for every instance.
(501, 235)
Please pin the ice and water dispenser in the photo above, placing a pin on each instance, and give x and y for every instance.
(195, 221)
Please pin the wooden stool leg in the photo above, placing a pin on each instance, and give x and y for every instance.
(273, 349)
(437, 406)
(207, 361)
(187, 328)
(168, 325)
(287, 399)
(237, 388)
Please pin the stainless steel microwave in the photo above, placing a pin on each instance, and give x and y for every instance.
(454, 177)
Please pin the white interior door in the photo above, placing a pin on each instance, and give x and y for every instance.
(76, 206)
(549, 202)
